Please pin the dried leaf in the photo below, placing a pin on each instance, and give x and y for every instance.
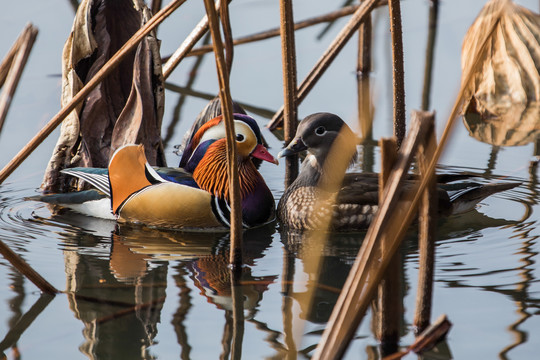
(502, 48)
(126, 107)
(507, 130)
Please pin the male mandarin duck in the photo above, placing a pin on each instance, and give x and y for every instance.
(195, 197)
(352, 203)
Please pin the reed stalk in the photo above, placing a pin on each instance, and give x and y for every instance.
(113, 62)
(398, 74)
(24, 45)
(363, 71)
(275, 32)
(327, 58)
(235, 258)
(288, 59)
(389, 307)
(227, 35)
(427, 234)
(5, 65)
(196, 34)
(430, 50)
(25, 269)
(466, 78)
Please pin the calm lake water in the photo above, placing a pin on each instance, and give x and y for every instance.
(487, 273)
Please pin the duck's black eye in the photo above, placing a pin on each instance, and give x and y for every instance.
(240, 137)
(321, 130)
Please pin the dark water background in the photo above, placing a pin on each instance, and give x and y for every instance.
(487, 272)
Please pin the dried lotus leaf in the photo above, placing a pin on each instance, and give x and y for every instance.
(132, 93)
(502, 49)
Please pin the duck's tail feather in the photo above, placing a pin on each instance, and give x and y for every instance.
(97, 177)
(465, 196)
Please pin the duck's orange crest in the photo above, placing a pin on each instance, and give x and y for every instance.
(199, 134)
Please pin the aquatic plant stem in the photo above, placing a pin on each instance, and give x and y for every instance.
(25, 269)
(288, 60)
(426, 234)
(113, 62)
(430, 50)
(387, 319)
(268, 34)
(327, 58)
(235, 258)
(398, 73)
(24, 45)
(196, 34)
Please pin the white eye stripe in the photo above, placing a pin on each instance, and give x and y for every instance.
(218, 131)
(215, 132)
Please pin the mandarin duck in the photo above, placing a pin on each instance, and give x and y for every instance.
(351, 202)
(193, 197)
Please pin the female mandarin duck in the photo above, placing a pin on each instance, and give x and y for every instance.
(351, 203)
(195, 197)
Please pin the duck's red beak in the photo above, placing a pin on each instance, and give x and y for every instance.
(262, 153)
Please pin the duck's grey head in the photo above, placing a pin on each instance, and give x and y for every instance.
(317, 134)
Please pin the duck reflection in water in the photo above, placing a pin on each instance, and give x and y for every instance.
(119, 296)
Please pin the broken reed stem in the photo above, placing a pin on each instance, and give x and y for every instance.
(466, 78)
(326, 59)
(427, 339)
(329, 55)
(235, 258)
(363, 70)
(25, 269)
(268, 34)
(8, 59)
(389, 300)
(369, 266)
(196, 34)
(288, 59)
(427, 233)
(227, 35)
(430, 50)
(24, 45)
(398, 75)
(109, 66)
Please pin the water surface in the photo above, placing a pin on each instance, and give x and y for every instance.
(134, 292)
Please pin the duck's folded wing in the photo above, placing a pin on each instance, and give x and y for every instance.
(359, 189)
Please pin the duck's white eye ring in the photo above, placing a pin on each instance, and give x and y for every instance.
(321, 130)
(240, 137)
